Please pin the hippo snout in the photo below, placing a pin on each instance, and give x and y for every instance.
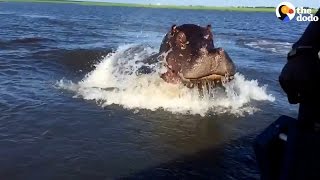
(212, 65)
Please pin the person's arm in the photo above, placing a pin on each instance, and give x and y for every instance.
(300, 76)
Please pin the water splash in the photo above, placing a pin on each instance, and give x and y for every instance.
(115, 81)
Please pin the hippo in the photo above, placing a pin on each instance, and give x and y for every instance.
(190, 57)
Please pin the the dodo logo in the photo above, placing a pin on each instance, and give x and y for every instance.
(285, 11)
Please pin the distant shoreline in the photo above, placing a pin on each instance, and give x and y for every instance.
(239, 9)
(213, 8)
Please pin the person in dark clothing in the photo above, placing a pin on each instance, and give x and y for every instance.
(300, 79)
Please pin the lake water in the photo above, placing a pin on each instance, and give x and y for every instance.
(72, 106)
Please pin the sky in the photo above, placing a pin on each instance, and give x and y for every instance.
(274, 3)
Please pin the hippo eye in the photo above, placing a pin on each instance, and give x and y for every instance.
(206, 36)
(181, 38)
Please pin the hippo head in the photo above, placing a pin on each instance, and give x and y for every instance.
(190, 56)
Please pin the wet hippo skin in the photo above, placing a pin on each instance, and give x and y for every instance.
(189, 55)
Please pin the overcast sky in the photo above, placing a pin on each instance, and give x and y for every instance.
(297, 3)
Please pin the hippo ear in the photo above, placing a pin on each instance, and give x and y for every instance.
(174, 29)
(209, 27)
(209, 31)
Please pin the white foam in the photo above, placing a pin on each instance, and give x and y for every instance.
(271, 46)
(114, 81)
(36, 16)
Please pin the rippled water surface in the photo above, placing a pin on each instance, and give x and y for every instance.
(73, 107)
